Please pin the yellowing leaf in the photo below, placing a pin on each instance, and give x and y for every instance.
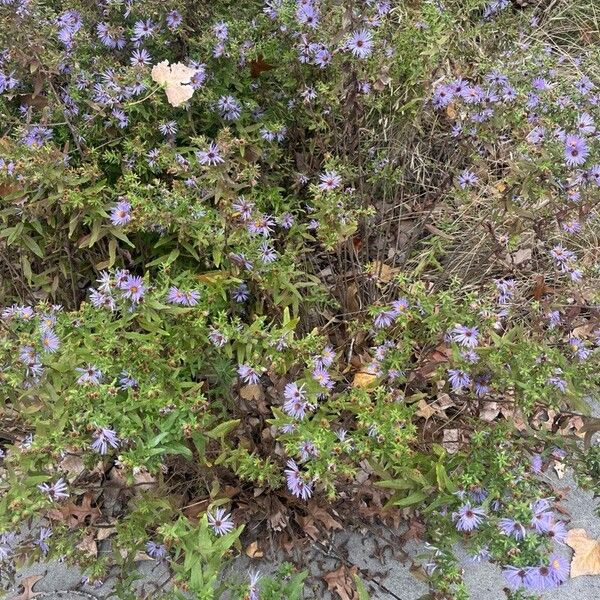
(252, 391)
(586, 557)
(365, 377)
(253, 551)
(176, 78)
(382, 271)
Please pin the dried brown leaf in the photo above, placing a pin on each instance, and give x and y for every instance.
(252, 392)
(28, 584)
(586, 557)
(341, 581)
(253, 551)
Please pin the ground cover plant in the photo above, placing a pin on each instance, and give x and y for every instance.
(266, 266)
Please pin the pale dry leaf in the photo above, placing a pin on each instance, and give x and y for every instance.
(253, 551)
(178, 94)
(161, 72)
(382, 271)
(489, 411)
(104, 533)
(586, 553)
(28, 583)
(450, 441)
(424, 410)
(175, 78)
(88, 545)
(365, 377)
(521, 256)
(559, 467)
(252, 391)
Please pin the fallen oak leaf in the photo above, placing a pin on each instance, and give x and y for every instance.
(341, 582)
(28, 584)
(586, 556)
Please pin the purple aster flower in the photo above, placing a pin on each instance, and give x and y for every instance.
(220, 522)
(536, 463)
(168, 128)
(360, 43)
(541, 578)
(322, 377)
(221, 30)
(458, 379)
(211, 156)
(229, 108)
(89, 374)
(442, 96)
(576, 150)
(126, 381)
(119, 214)
(262, 225)
(307, 450)
(110, 36)
(140, 58)
(296, 404)
(558, 383)
(557, 532)
(559, 568)
(253, 589)
(217, 338)
(517, 577)
(143, 29)
(400, 306)
(241, 293)
(384, 319)
(36, 136)
(133, 288)
(248, 374)
(243, 208)
(326, 358)
(306, 14)
(578, 348)
(43, 536)
(296, 482)
(466, 336)
(268, 254)
(541, 520)
(468, 518)
(467, 178)
(512, 528)
(50, 341)
(174, 20)
(536, 135)
(156, 551)
(56, 491)
(585, 123)
(330, 180)
(103, 438)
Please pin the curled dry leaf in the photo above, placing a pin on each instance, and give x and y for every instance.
(253, 551)
(382, 271)
(176, 79)
(28, 584)
(365, 377)
(252, 391)
(586, 556)
(341, 582)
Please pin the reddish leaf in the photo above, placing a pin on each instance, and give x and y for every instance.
(258, 66)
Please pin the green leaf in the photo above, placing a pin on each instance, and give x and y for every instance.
(360, 588)
(223, 429)
(413, 498)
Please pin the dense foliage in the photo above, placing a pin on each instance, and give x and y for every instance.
(267, 254)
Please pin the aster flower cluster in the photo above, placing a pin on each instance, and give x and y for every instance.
(121, 285)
